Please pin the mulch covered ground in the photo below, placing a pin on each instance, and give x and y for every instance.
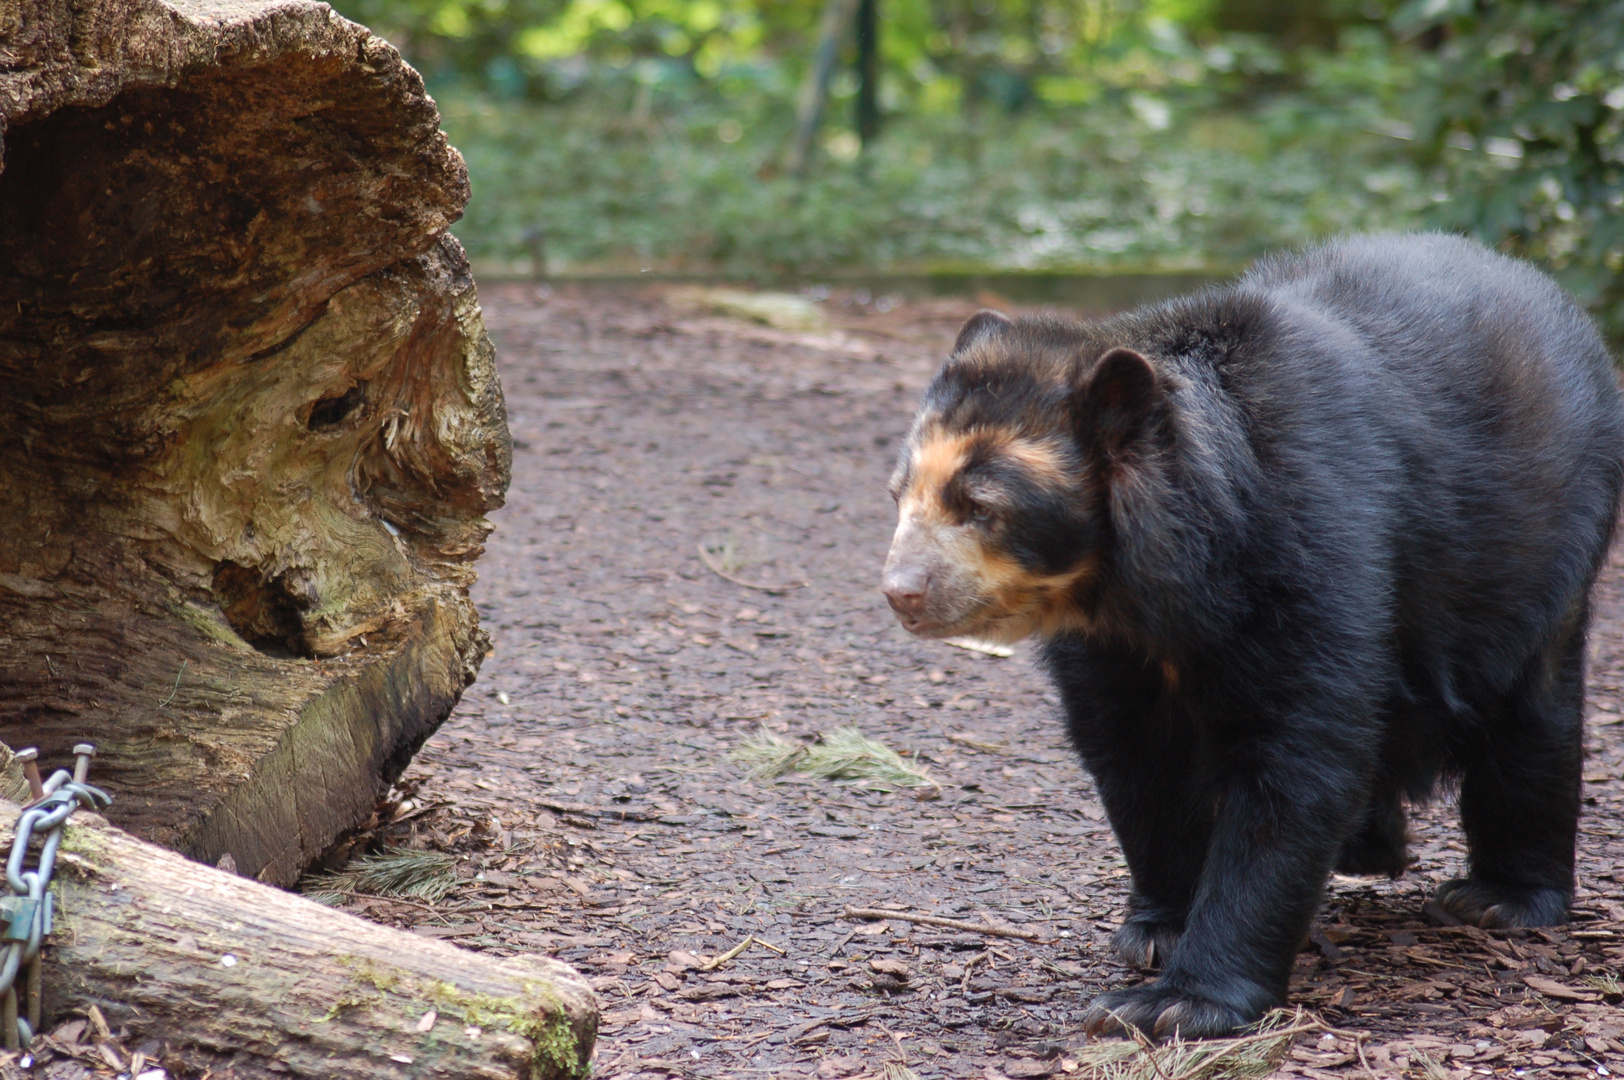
(587, 786)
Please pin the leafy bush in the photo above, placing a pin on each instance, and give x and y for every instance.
(1521, 121)
(668, 174)
(1032, 133)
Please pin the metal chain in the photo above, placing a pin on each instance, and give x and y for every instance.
(25, 915)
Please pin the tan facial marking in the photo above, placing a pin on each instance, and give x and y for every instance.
(981, 590)
(938, 458)
(1042, 460)
(940, 455)
(1018, 603)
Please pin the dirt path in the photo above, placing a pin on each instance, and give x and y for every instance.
(589, 780)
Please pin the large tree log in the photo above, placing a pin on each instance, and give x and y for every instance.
(251, 422)
(253, 982)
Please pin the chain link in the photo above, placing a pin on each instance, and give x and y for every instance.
(26, 914)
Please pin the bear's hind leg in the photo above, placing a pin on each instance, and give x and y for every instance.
(1380, 846)
(1519, 799)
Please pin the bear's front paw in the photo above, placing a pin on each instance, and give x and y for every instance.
(1146, 943)
(1488, 905)
(1160, 1011)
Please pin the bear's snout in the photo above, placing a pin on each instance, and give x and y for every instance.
(905, 587)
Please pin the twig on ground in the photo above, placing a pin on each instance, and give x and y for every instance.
(717, 961)
(946, 924)
(977, 744)
(772, 590)
(431, 909)
(969, 968)
(801, 1031)
(582, 810)
(1359, 1038)
(902, 1052)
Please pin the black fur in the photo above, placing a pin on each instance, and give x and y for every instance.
(1347, 512)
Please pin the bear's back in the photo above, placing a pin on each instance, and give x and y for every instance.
(1452, 319)
(1486, 407)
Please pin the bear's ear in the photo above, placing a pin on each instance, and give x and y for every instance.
(983, 324)
(1119, 396)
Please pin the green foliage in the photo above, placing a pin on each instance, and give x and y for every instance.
(1521, 117)
(679, 179)
(626, 134)
(935, 53)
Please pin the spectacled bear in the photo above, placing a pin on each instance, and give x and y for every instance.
(1297, 550)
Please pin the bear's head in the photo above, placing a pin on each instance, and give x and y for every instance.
(1004, 485)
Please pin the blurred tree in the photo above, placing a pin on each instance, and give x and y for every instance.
(1524, 122)
(867, 117)
(1294, 23)
(833, 28)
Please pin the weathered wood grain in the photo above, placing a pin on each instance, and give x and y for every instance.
(251, 421)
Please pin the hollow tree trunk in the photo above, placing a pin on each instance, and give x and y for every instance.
(249, 418)
(252, 982)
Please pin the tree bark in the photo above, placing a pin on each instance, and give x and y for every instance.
(252, 982)
(251, 421)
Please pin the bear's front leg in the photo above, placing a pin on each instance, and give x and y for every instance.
(1164, 831)
(1142, 752)
(1277, 830)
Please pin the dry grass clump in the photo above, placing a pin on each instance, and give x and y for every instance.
(842, 754)
(428, 876)
(1255, 1054)
(1610, 985)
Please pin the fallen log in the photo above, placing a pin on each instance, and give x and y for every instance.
(251, 422)
(251, 982)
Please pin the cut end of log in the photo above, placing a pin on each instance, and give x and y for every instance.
(252, 423)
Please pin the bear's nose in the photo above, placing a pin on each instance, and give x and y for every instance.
(905, 590)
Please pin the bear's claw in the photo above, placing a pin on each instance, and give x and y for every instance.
(1488, 905)
(1159, 1012)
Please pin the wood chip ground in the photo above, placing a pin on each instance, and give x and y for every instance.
(586, 785)
(620, 837)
